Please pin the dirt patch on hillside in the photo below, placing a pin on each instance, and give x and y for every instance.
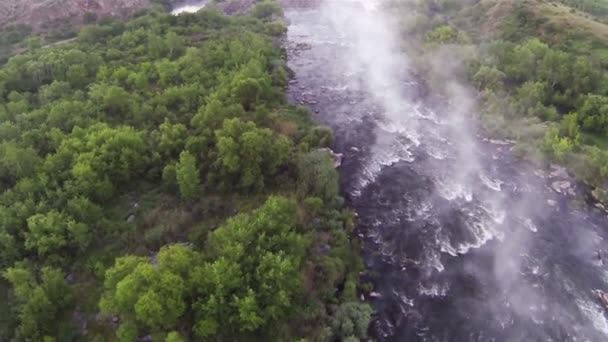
(43, 14)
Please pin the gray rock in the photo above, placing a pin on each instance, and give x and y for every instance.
(322, 249)
(562, 187)
(131, 218)
(558, 172)
(147, 338)
(551, 203)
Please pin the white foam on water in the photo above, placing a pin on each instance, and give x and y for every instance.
(482, 230)
(494, 184)
(530, 225)
(383, 154)
(435, 290)
(400, 129)
(428, 115)
(451, 190)
(404, 300)
(595, 313)
(433, 259)
(436, 153)
(192, 8)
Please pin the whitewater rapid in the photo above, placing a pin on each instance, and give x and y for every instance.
(463, 242)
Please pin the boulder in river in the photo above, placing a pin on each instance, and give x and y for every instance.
(603, 298)
(563, 187)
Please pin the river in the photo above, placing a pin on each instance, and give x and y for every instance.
(462, 241)
(189, 6)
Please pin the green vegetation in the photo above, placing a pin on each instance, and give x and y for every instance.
(154, 181)
(540, 71)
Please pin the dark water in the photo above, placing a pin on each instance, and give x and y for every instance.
(462, 241)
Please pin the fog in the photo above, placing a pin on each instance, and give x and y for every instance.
(503, 209)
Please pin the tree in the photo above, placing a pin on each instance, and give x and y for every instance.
(174, 336)
(187, 175)
(317, 176)
(249, 154)
(252, 281)
(113, 100)
(40, 299)
(444, 34)
(174, 43)
(488, 77)
(149, 295)
(351, 320)
(51, 232)
(173, 138)
(594, 113)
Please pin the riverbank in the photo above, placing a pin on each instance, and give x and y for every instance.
(549, 121)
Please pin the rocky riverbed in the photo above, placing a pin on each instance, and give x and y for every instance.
(462, 241)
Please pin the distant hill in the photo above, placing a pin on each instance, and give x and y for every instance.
(46, 14)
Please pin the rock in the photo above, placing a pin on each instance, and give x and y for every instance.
(603, 298)
(551, 203)
(558, 171)
(131, 218)
(69, 279)
(115, 319)
(154, 259)
(375, 295)
(80, 321)
(600, 206)
(562, 187)
(337, 157)
(321, 250)
(147, 338)
(293, 81)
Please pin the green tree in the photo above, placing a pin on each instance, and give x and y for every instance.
(251, 155)
(351, 320)
(40, 299)
(149, 295)
(252, 282)
(317, 176)
(187, 175)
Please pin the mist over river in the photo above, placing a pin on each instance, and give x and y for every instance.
(462, 241)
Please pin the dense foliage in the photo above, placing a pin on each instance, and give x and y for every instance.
(558, 80)
(137, 171)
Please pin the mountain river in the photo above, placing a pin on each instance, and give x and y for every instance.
(462, 241)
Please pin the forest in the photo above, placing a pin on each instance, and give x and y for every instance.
(156, 184)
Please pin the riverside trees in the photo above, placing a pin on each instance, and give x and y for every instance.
(99, 138)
